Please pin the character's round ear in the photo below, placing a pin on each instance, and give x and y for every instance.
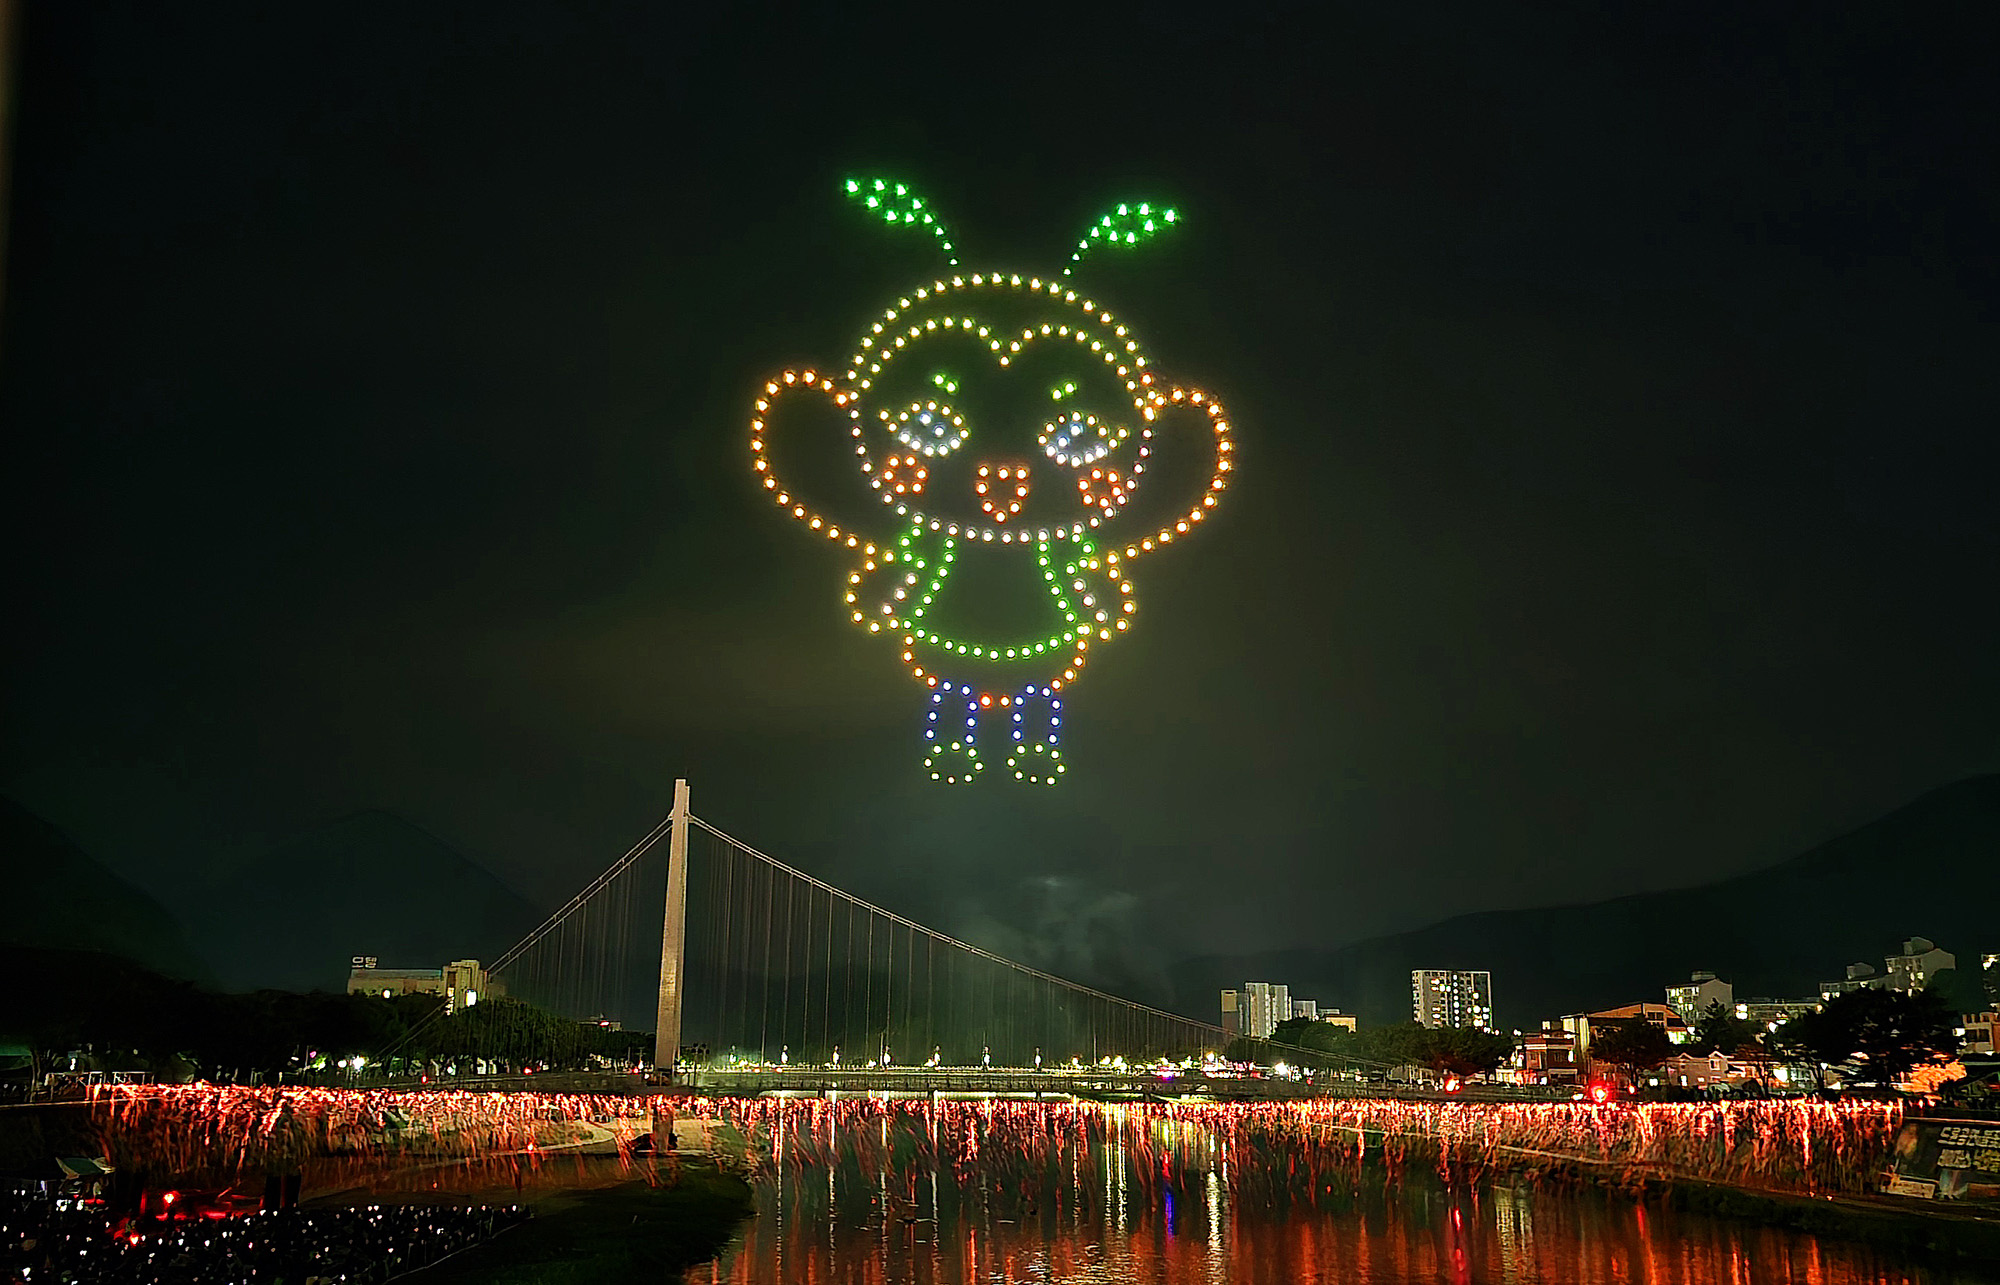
(1170, 404)
(899, 206)
(1130, 225)
(810, 383)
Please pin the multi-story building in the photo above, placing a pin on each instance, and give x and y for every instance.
(1579, 1024)
(1912, 970)
(1702, 989)
(1445, 997)
(1264, 1005)
(462, 982)
(1256, 1010)
(1920, 961)
(1547, 1056)
(1859, 977)
(1694, 1071)
(1770, 1013)
(1977, 1033)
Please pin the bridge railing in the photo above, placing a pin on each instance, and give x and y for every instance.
(1088, 1082)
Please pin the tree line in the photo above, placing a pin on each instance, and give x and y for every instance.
(1316, 1045)
(118, 1016)
(1871, 1036)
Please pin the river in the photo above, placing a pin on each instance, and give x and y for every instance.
(886, 1201)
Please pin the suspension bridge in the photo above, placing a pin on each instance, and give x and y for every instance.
(766, 972)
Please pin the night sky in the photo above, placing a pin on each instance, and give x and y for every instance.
(1615, 398)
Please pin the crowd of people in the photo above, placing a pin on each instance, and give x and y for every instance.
(46, 1238)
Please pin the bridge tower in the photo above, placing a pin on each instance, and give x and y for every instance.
(673, 938)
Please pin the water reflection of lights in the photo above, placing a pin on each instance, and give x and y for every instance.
(993, 1191)
(1212, 1184)
(948, 1192)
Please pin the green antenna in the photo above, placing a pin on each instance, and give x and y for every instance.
(1127, 226)
(895, 203)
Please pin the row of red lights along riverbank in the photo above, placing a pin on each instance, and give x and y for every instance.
(1800, 1144)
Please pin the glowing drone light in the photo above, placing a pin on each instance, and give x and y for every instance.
(1125, 226)
(897, 205)
(1099, 447)
(1078, 439)
(928, 427)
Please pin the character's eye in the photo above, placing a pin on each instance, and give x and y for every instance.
(930, 427)
(945, 382)
(1063, 390)
(1076, 439)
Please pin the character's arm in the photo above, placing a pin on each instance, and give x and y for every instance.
(1178, 403)
(810, 383)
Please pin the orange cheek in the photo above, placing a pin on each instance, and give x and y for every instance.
(903, 475)
(1104, 490)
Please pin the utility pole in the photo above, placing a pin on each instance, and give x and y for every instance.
(673, 939)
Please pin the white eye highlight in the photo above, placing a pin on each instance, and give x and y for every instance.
(930, 427)
(1076, 439)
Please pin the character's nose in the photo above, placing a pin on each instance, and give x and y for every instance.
(1002, 489)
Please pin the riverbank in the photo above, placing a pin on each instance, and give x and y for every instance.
(1951, 1231)
(1944, 1231)
(1928, 1228)
(637, 1231)
(605, 1210)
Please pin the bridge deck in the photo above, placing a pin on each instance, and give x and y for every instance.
(1098, 1083)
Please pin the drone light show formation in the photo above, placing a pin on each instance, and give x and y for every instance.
(1004, 423)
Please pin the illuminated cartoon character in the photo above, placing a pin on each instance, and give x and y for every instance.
(1006, 422)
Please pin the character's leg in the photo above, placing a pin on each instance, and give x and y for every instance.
(951, 738)
(1034, 739)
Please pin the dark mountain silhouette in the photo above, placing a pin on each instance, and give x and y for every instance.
(56, 895)
(1931, 868)
(368, 884)
(288, 917)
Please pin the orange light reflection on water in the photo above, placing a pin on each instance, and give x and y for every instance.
(1403, 1237)
(867, 1197)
